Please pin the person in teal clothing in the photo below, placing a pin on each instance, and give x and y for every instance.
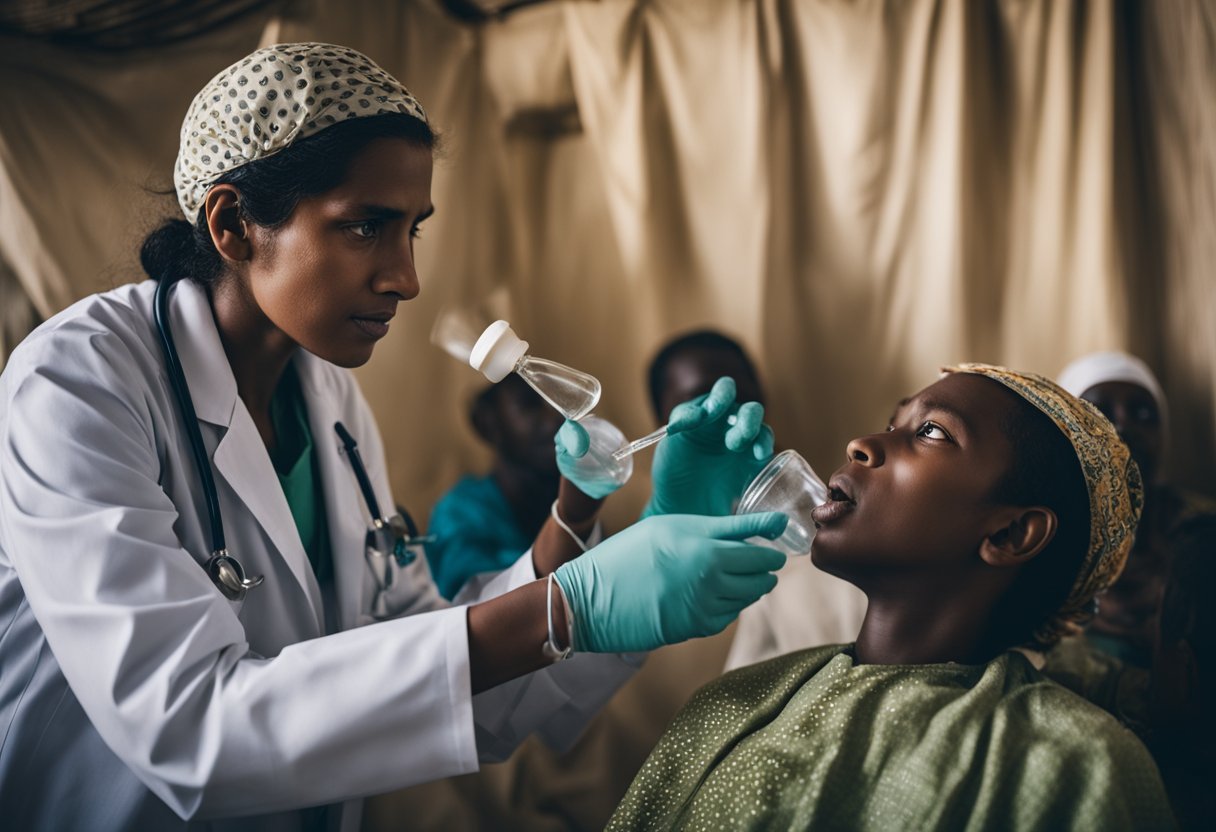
(484, 523)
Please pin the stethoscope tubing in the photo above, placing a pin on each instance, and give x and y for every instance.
(225, 570)
(181, 391)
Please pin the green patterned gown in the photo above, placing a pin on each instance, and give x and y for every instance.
(812, 741)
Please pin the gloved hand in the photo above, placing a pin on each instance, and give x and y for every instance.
(597, 475)
(704, 464)
(668, 579)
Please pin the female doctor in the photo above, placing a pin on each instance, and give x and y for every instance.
(195, 620)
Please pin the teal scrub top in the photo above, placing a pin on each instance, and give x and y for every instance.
(295, 462)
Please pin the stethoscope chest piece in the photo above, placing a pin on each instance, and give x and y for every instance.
(229, 577)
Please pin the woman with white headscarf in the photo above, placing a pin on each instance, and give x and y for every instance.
(1129, 394)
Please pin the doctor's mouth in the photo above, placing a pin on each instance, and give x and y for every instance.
(374, 325)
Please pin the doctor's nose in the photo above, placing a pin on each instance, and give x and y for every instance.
(398, 276)
(865, 450)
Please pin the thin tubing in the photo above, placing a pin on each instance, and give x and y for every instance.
(652, 438)
(638, 444)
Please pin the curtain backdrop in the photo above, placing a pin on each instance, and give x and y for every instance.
(859, 191)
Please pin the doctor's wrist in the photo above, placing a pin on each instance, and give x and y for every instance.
(508, 634)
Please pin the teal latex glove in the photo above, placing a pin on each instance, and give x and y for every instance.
(596, 479)
(668, 579)
(705, 463)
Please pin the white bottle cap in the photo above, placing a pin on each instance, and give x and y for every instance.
(497, 351)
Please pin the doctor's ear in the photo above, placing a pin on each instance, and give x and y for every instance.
(1022, 534)
(229, 231)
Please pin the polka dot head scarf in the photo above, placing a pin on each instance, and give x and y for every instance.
(1112, 479)
(271, 99)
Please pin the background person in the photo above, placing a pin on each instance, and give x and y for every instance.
(688, 365)
(484, 523)
(1129, 395)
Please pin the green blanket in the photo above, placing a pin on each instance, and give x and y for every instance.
(810, 740)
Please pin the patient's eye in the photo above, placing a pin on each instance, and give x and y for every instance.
(930, 430)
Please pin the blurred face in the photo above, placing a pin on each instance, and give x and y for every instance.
(693, 373)
(1133, 411)
(919, 495)
(331, 277)
(525, 426)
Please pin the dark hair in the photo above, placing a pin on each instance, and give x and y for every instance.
(1045, 472)
(271, 188)
(702, 340)
(1186, 607)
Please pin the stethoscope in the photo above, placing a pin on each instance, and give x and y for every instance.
(393, 537)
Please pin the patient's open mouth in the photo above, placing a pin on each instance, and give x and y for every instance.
(840, 502)
(841, 490)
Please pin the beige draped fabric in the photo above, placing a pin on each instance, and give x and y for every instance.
(860, 191)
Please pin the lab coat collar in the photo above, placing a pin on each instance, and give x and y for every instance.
(347, 515)
(240, 458)
(208, 374)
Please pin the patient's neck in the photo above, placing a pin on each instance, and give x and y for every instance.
(926, 622)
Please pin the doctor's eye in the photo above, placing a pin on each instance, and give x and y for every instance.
(416, 232)
(366, 230)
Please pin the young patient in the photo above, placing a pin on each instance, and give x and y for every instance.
(484, 523)
(985, 518)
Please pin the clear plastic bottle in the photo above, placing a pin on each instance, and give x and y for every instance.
(499, 351)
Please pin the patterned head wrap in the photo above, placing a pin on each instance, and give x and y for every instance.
(1111, 477)
(273, 98)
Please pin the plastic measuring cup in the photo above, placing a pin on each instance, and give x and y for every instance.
(789, 485)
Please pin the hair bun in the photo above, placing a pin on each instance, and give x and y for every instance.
(167, 253)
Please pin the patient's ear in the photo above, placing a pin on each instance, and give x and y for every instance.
(1021, 534)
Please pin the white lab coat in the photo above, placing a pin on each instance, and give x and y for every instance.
(132, 694)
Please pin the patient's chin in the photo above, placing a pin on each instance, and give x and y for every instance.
(825, 557)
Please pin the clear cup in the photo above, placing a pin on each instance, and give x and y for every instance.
(789, 485)
(598, 468)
